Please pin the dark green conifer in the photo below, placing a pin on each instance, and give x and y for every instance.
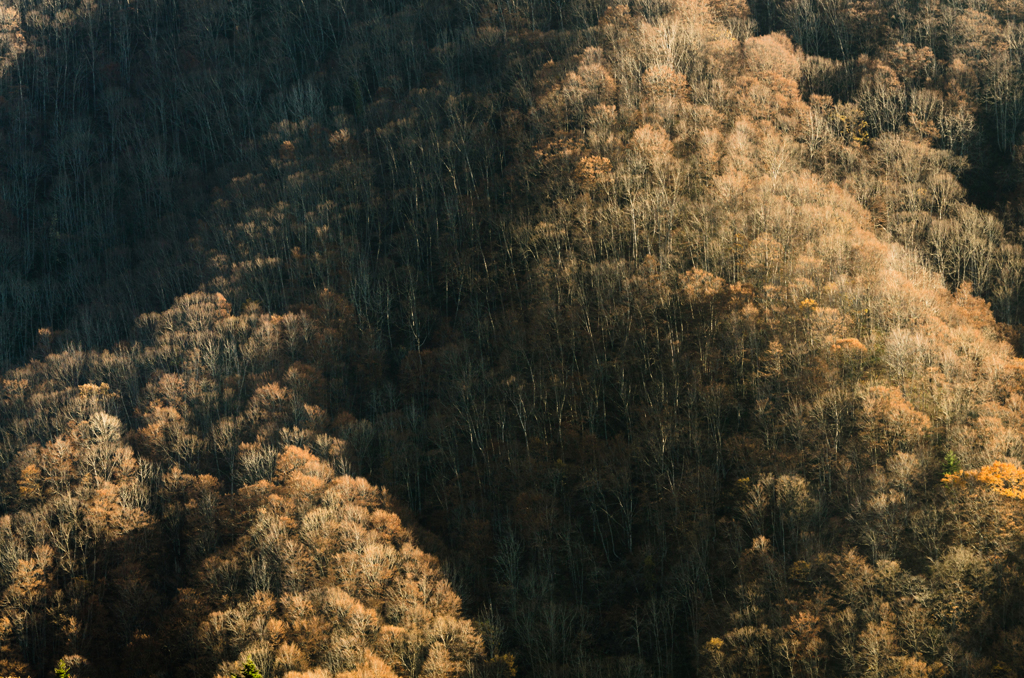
(249, 671)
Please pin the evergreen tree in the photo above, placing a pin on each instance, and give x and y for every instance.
(249, 671)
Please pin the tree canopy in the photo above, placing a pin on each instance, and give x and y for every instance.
(678, 337)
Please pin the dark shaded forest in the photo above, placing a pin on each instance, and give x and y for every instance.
(517, 338)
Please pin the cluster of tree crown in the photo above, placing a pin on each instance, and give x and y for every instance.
(207, 525)
(663, 324)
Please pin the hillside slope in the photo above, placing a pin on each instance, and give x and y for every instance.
(671, 343)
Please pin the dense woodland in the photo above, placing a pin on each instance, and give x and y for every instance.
(516, 338)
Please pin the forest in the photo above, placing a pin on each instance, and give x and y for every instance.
(496, 338)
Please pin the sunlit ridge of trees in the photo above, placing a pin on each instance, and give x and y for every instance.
(669, 324)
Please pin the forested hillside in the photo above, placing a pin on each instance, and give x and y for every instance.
(517, 338)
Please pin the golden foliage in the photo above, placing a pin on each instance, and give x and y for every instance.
(1003, 478)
